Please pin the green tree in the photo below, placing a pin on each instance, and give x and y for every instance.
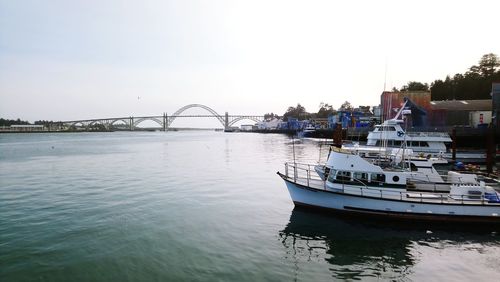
(9, 122)
(297, 112)
(346, 106)
(415, 86)
(325, 110)
(365, 109)
(474, 84)
(488, 65)
(270, 116)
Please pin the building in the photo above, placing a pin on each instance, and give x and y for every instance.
(466, 113)
(271, 124)
(391, 102)
(495, 97)
(24, 128)
(352, 119)
(248, 127)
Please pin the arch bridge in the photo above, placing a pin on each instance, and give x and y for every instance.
(164, 121)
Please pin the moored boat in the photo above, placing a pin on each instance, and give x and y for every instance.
(307, 132)
(355, 185)
(392, 133)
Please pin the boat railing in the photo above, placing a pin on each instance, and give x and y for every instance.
(302, 172)
(306, 175)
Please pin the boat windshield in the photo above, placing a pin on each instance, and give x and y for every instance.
(385, 128)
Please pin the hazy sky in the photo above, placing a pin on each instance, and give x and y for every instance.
(64, 60)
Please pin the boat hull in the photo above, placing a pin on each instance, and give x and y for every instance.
(390, 208)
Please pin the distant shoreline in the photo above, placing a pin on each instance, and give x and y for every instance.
(136, 130)
(465, 137)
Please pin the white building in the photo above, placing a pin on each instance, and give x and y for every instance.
(247, 127)
(25, 128)
(272, 124)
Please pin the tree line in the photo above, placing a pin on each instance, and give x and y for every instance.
(474, 84)
(9, 122)
(324, 111)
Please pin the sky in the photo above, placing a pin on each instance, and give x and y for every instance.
(83, 59)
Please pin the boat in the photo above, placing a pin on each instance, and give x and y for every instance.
(425, 173)
(391, 134)
(308, 131)
(357, 186)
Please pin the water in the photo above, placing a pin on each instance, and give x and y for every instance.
(198, 206)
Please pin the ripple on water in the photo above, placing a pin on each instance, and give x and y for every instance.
(195, 206)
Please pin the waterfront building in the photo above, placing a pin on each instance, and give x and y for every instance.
(462, 113)
(247, 127)
(269, 124)
(353, 118)
(427, 113)
(495, 97)
(23, 128)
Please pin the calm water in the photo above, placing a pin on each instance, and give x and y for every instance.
(198, 206)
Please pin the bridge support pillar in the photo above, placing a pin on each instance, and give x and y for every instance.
(131, 121)
(164, 121)
(226, 121)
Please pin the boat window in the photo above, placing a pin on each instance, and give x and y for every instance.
(397, 143)
(415, 144)
(474, 194)
(387, 128)
(377, 177)
(424, 144)
(344, 175)
(413, 167)
(331, 175)
(395, 178)
(360, 175)
(377, 143)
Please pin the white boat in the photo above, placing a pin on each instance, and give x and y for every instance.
(307, 131)
(357, 186)
(391, 134)
(424, 173)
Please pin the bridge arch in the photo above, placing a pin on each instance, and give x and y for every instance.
(76, 123)
(96, 122)
(120, 119)
(103, 123)
(179, 111)
(231, 123)
(138, 121)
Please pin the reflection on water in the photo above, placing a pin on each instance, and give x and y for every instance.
(364, 249)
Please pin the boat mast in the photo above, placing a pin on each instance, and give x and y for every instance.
(405, 118)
